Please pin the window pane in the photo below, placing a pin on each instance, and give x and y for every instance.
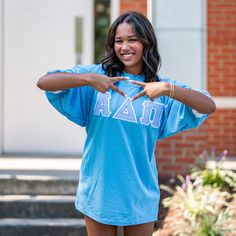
(101, 24)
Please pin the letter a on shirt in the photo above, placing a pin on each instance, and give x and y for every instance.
(102, 105)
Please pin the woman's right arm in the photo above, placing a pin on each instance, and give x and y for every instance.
(61, 81)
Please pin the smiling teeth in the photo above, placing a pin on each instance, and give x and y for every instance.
(127, 55)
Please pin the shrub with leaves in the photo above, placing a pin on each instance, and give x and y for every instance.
(196, 210)
(215, 176)
(205, 203)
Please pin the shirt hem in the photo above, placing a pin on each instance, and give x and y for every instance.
(115, 223)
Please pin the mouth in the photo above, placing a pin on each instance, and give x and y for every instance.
(127, 56)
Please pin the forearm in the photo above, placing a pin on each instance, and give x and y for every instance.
(194, 99)
(61, 81)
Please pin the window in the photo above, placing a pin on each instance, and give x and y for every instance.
(180, 28)
(101, 25)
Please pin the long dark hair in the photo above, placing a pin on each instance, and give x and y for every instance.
(144, 32)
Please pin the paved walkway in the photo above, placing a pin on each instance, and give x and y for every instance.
(65, 167)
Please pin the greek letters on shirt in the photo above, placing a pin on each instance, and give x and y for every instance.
(151, 111)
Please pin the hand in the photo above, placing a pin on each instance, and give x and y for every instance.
(152, 89)
(103, 83)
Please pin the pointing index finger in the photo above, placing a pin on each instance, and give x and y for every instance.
(142, 93)
(118, 78)
(142, 84)
(118, 90)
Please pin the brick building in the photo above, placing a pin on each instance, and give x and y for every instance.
(219, 131)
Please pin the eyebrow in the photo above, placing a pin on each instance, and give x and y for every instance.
(130, 36)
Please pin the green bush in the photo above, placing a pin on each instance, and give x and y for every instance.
(201, 206)
(217, 176)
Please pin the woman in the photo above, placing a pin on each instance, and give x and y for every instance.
(126, 108)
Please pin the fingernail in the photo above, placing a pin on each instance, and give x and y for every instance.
(125, 95)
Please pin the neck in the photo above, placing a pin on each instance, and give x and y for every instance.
(133, 71)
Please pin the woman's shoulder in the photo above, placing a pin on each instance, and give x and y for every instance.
(175, 82)
(90, 68)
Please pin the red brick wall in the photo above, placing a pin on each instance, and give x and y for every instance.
(222, 47)
(221, 129)
(176, 153)
(133, 5)
(221, 24)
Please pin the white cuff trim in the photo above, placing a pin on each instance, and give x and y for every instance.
(196, 113)
(56, 92)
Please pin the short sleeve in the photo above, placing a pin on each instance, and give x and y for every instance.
(74, 103)
(178, 117)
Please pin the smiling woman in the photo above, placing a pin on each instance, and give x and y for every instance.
(126, 108)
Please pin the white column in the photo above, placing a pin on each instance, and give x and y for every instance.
(115, 9)
(88, 32)
(180, 27)
(149, 10)
(1, 76)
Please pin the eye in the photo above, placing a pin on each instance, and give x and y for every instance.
(133, 40)
(118, 41)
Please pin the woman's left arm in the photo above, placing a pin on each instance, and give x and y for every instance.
(192, 98)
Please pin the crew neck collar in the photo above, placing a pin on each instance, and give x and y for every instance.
(134, 77)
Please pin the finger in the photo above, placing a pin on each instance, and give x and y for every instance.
(116, 79)
(138, 95)
(151, 98)
(118, 90)
(142, 84)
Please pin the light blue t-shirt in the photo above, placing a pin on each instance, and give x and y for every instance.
(118, 182)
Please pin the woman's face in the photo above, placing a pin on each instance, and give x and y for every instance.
(128, 49)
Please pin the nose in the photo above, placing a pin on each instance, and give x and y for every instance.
(125, 46)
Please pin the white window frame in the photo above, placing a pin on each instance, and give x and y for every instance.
(1, 76)
(115, 10)
(151, 13)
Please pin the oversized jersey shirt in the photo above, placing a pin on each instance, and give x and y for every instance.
(118, 182)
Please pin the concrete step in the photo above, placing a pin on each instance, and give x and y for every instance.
(37, 185)
(42, 227)
(37, 197)
(43, 206)
(40, 164)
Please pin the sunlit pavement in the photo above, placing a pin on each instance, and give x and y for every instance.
(64, 167)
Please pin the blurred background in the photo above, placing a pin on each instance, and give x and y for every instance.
(197, 43)
(40, 150)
